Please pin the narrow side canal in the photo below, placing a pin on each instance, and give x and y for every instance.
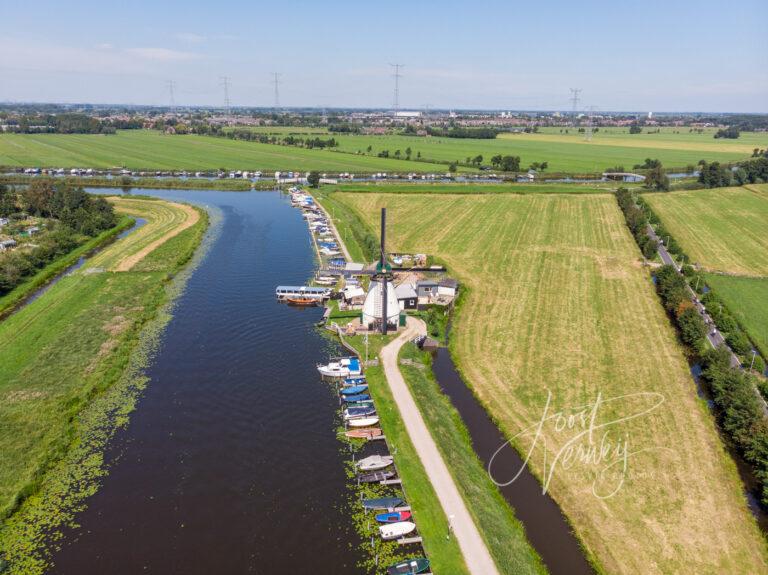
(230, 463)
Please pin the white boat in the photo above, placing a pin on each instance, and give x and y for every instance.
(363, 422)
(396, 530)
(344, 367)
(375, 462)
(329, 252)
(325, 280)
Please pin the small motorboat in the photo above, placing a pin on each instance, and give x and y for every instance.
(382, 503)
(409, 567)
(363, 422)
(301, 301)
(363, 433)
(359, 412)
(375, 477)
(375, 462)
(343, 367)
(393, 517)
(325, 280)
(360, 397)
(357, 380)
(354, 389)
(396, 530)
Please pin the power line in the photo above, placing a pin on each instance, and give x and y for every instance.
(172, 100)
(397, 75)
(276, 82)
(225, 84)
(575, 97)
(590, 125)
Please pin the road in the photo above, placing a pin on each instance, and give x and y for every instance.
(714, 337)
(473, 548)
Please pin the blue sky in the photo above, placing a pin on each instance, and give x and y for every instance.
(675, 55)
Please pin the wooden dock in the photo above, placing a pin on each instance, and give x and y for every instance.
(391, 482)
(409, 540)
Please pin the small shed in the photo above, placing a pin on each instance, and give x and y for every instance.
(447, 287)
(353, 295)
(426, 290)
(407, 297)
(353, 269)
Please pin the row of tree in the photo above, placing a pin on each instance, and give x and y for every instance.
(68, 123)
(716, 175)
(637, 222)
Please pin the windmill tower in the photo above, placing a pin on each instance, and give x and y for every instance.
(381, 308)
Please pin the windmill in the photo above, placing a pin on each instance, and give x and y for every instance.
(381, 306)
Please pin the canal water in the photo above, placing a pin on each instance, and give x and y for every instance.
(230, 463)
(545, 526)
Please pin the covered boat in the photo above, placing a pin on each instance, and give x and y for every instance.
(396, 530)
(353, 389)
(342, 367)
(357, 398)
(382, 503)
(375, 462)
(359, 412)
(409, 567)
(363, 422)
(357, 380)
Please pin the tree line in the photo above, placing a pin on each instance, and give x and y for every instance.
(68, 123)
(637, 222)
(73, 216)
(716, 175)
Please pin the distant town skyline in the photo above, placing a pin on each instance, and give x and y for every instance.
(707, 56)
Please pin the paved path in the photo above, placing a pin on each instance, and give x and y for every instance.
(472, 546)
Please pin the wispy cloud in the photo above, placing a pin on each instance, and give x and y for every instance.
(162, 54)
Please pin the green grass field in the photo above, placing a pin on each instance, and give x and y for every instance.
(471, 188)
(61, 353)
(150, 150)
(141, 149)
(722, 229)
(558, 302)
(747, 299)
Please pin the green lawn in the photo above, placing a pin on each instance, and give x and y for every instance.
(470, 188)
(747, 299)
(151, 150)
(722, 229)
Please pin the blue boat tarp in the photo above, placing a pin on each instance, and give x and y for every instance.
(354, 390)
(356, 398)
(354, 364)
(355, 380)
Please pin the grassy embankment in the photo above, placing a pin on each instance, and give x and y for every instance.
(71, 373)
(559, 303)
(151, 150)
(724, 231)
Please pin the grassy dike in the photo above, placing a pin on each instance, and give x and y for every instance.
(72, 371)
(503, 533)
(443, 551)
(24, 289)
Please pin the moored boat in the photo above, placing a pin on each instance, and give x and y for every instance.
(382, 503)
(359, 412)
(354, 389)
(393, 516)
(363, 433)
(396, 530)
(376, 476)
(357, 380)
(375, 462)
(301, 301)
(343, 367)
(409, 567)
(363, 422)
(357, 398)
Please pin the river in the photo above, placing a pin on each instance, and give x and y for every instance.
(230, 463)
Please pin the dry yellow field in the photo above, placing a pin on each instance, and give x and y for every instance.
(559, 303)
(722, 229)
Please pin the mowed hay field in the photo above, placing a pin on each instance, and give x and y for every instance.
(721, 229)
(747, 300)
(558, 301)
(151, 150)
(73, 343)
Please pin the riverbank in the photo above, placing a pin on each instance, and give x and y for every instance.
(162, 183)
(70, 376)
